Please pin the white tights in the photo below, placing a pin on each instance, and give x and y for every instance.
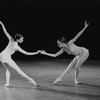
(13, 65)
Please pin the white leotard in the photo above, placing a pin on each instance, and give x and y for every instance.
(75, 50)
(5, 55)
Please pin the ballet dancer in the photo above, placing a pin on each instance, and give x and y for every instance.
(7, 61)
(81, 54)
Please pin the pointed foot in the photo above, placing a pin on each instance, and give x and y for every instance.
(32, 81)
(57, 81)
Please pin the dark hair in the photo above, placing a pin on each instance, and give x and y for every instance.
(62, 40)
(17, 37)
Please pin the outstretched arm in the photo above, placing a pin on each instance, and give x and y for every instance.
(5, 31)
(77, 36)
(27, 53)
(52, 55)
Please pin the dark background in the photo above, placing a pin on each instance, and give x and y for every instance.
(42, 22)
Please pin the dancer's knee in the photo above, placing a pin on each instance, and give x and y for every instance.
(7, 71)
(86, 53)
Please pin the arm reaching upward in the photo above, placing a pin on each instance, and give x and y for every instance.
(5, 31)
(52, 55)
(77, 36)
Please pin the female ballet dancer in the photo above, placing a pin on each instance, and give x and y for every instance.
(81, 54)
(5, 56)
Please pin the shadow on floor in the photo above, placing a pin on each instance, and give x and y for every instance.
(64, 92)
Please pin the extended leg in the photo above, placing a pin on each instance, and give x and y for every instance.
(69, 68)
(13, 65)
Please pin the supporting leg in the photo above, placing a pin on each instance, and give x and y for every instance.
(81, 60)
(7, 75)
(69, 68)
(76, 75)
(7, 78)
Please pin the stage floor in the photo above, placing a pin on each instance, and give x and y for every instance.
(44, 73)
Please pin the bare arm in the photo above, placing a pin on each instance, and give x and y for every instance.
(52, 55)
(5, 31)
(26, 53)
(77, 36)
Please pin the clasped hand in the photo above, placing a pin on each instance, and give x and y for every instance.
(42, 51)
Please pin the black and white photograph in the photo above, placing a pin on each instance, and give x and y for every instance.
(49, 50)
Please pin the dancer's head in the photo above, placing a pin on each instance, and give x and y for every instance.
(19, 38)
(61, 42)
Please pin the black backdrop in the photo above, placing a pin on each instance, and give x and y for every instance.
(42, 22)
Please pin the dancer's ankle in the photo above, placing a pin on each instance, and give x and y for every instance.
(6, 84)
(76, 81)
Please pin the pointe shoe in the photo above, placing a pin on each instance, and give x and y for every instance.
(32, 81)
(7, 84)
(57, 80)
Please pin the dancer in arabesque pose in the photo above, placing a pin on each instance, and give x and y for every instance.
(7, 61)
(81, 54)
